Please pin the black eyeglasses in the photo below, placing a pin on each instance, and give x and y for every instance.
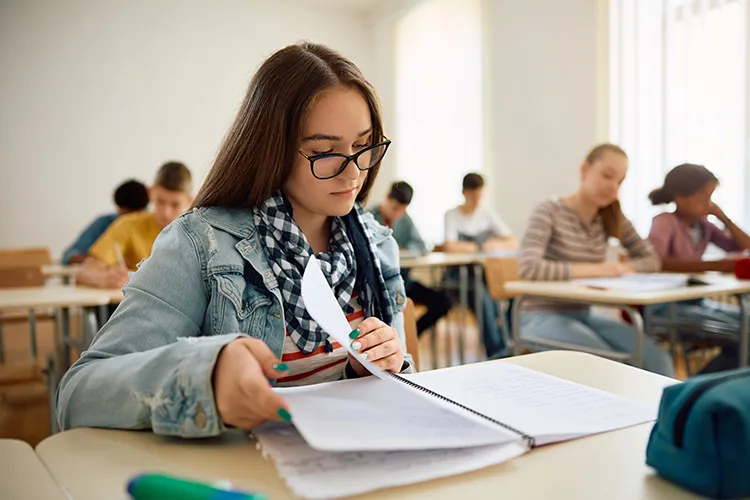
(329, 165)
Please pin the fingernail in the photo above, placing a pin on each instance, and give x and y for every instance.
(365, 356)
(281, 367)
(355, 333)
(357, 346)
(285, 415)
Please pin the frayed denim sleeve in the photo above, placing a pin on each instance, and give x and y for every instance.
(150, 366)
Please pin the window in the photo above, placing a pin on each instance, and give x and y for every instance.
(677, 94)
(439, 106)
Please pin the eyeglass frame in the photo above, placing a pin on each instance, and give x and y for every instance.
(347, 159)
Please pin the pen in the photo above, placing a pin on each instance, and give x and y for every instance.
(120, 258)
(161, 487)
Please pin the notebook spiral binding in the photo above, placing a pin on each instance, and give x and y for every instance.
(530, 440)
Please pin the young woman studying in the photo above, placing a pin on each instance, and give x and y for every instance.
(567, 238)
(215, 314)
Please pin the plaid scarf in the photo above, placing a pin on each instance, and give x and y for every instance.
(288, 252)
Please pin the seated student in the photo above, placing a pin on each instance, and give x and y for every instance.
(392, 213)
(681, 237)
(568, 238)
(130, 196)
(214, 316)
(473, 228)
(129, 239)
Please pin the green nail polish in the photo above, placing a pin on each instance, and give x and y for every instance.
(281, 367)
(365, 356)
(355, 333)
(285, 415)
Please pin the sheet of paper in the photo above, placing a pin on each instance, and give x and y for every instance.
(652, 282)
(317, 475)
(370, 414)
(405, 409)
(325, 310)
(548, 408)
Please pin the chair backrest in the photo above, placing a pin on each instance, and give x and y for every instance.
(410, 329)
(24, 257)
(498, 271)
(19, 277)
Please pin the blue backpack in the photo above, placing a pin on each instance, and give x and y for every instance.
(701, 440)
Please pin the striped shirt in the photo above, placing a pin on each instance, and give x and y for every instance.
(318, 366)
(557, 237)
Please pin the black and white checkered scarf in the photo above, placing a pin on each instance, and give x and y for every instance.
(288, 252)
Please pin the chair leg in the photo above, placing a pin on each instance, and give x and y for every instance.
(32, 333)
(2, 344)
(51, 392)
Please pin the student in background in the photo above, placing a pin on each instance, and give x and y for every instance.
(214, 317)
(129, 239)
(130, 196)
(681, 237)
(568, 238)
(392, 213)
(472, 227)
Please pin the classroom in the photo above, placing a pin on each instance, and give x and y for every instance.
(374, 249)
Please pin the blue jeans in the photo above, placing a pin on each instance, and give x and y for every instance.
(709, 310)
(594, 331)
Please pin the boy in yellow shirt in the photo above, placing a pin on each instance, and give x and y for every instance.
(130, 237)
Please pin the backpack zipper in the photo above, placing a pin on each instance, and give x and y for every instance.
(680, 421)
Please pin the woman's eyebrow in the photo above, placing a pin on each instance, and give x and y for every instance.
(332, 138)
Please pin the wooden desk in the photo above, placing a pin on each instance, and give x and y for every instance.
(95, 463)
(568, 291)
(22, 474)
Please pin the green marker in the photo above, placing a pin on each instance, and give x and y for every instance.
(160, 487)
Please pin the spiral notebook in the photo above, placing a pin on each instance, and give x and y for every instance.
(430, 424)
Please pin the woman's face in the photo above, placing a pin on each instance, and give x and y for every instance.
(338, 121)
(698, 204)
(601, 179)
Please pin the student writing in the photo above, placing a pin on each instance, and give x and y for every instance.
(567, 238)
(131, 236)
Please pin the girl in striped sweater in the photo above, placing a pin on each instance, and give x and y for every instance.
(567, 238)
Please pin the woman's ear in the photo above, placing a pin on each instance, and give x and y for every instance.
(585, 166)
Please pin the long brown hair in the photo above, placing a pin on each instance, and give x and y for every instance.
(259, 150)
(611, 215)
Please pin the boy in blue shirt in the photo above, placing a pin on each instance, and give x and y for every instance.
(130, 196)
(392, 213)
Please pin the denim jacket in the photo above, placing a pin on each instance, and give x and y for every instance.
(206, 283)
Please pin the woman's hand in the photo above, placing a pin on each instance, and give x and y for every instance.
(380, 343)
(616, 269)
(243, 394)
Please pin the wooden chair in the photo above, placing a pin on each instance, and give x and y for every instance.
(497, 272)
(24, 402)
(410, 328)
(24, 257)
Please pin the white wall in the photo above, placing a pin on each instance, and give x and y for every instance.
(546, 98)
(93, 92)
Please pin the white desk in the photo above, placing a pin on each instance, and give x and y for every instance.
(94, 463)
(22, 474)
(61, 271)
(568, 291)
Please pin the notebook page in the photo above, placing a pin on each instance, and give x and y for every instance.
(371, 414)
(645, 282)
(548, 408)
(320, 475)
(405, 409)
